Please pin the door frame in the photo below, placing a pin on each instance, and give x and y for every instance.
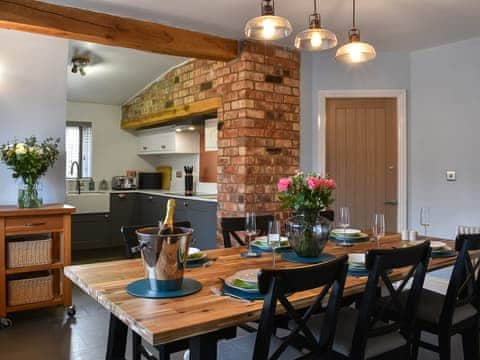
(319, 137)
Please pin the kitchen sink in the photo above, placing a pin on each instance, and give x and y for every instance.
(89, 201)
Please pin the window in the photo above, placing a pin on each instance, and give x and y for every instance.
(78, 144)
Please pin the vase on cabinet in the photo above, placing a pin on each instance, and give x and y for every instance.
(30, 195)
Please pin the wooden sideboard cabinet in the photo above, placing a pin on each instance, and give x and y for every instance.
(49, 222)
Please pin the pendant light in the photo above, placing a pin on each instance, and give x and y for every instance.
(315, 38)
(355, 51)
(268, 26)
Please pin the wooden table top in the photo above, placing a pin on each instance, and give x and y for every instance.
(161, 321)
(48, 209)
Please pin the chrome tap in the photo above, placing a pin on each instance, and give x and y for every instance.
(75, 163)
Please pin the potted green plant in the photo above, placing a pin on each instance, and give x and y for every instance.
(307, 195)
(29, 161)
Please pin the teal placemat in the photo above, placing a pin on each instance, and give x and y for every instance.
(257, 248)
(141, 288)
(197, 263)
(293, 257)
(247, 295)
(444, 254)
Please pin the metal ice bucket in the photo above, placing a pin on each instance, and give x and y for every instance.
(164, 257)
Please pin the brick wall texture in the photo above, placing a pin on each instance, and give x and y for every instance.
(259, 140)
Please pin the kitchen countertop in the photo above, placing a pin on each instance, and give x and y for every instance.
(167, 193)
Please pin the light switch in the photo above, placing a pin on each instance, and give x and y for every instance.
(451, 175)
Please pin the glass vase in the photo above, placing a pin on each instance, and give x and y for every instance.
(30, 196)
(308, 233)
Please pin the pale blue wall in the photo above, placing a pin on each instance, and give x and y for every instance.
(443, 99)
(33, 88)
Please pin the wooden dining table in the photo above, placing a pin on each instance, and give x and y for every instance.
(203, 317)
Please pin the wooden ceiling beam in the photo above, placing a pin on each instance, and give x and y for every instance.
(72, 23)
(174, 114)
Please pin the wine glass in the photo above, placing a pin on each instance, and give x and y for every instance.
(425, 219)
(378, 228)
(344, 222)
(273, 238)
(250, 230)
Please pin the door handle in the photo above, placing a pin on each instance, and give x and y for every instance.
(40, 223)
(391, 202)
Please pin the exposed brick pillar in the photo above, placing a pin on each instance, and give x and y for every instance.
(259, 142)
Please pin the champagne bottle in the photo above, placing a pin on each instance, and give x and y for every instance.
(166, 227)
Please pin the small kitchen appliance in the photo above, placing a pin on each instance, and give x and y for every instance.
(150, 180)
(124, 183)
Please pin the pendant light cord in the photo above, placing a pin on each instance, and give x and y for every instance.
(315, 6)
(353, 10)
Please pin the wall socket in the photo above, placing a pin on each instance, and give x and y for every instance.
(451, 175)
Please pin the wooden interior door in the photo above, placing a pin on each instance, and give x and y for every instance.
(361, 155)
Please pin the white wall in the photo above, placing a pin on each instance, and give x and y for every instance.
(444, 134)
(33, 88)
(113, 150)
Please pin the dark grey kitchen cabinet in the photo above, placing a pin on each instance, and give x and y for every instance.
(90, 231)
(152, 208)
(123, 211)
(203, 218)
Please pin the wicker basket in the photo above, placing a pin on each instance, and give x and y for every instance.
(29, 253)
(32, 290)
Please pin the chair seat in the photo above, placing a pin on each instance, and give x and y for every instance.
(242, 348)
(347, 320)
(430, 309)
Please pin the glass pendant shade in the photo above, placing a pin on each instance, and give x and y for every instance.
(355, 51)
(268, 27)
(315, 39)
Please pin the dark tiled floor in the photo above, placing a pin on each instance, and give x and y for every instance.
(49, 334)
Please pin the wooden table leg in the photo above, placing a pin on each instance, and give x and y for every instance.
(204, 347)
(117, 339)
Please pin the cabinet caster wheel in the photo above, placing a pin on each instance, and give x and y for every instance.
(6, 323)
(71, 311)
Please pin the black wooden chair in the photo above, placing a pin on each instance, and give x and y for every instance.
(231, 226)
(276, 284)
(456, 312)
(364, 333)
(130, 237)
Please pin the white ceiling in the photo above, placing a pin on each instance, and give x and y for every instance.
(114, 74)
(391, 25)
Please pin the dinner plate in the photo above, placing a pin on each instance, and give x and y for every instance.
(356, 258)
(248, 275)
(435, 245)
(347, 232)
(236, 283)
(195, 255)
(262, 241)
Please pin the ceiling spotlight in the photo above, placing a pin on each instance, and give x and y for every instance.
(268, 26)
(79, 64)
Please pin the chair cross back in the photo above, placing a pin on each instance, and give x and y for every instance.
(277, 284)
(464, 285)
(129, 236)
(374, 308)
(232, 225)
